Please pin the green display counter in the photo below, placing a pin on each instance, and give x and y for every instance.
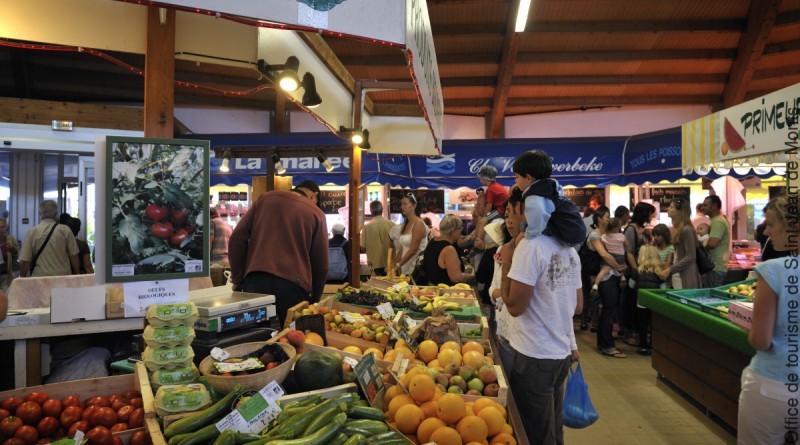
(701, 354)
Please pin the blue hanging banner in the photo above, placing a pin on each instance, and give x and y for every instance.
(653, 157)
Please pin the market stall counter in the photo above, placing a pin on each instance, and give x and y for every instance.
(701, 354)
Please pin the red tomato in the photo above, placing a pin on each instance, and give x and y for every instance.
(14, 441)
(132, 394)
(71, 401)
(137, 402)
(28, 434)
(81, 425)
(4, 413)
(137, 418)
(156, 212)
(38, 397)
(161, 231)
(89, 412)
(117, 404)
(99, 435)
(141, 438)
(104, 416)
(52, 408)
(11, 404)
(98, 401)
(119, 427)
(70, 415)
(178, 237)
(47, 426)
(60, 433)
(115, 440)
(124, 413)
(179, 215)
(30, 413)
(10, 425)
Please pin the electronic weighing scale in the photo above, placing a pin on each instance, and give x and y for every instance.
(229, 318)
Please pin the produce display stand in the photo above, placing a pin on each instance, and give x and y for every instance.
(701, 354)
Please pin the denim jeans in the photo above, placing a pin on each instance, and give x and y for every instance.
(538, 389)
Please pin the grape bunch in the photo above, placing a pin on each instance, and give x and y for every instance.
(362, 297)
(407, 305)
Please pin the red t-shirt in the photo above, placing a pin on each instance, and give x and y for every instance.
(496, 196)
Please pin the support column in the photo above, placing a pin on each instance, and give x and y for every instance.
(355, 181)
(159, 74)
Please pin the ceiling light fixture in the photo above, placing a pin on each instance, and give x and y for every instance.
(357, 137)
(325, 162)
(365, 145)
(279, 168)
(311, 98)
(288, 79)
(522, 15)
(226, 159)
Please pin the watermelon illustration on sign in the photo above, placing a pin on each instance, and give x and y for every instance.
(322, 5)
(733, 141)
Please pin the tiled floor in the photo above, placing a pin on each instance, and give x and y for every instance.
(634, 406)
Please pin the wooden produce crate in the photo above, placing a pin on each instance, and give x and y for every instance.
(381, 363)
(456, 293)
(466, 327)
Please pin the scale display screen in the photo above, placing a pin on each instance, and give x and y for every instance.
(246, 318)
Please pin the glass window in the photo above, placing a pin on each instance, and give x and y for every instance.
(50, 176)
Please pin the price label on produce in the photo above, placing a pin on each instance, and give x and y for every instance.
(386, 311)
(256, 413)
(219, 354)
(369, 377)
(352, 317)
(350, 361)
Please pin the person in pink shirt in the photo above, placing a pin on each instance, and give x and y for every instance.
(614, 242)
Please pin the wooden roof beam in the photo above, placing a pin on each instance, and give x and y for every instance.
(761, 19)
(458, 30)
(575, 101)
(452, 82)
(495, 127)
(334, 64)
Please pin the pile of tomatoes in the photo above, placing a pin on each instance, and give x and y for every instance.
(40, 419)
(169, 223)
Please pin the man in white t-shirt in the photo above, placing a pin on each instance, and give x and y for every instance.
(543, 296)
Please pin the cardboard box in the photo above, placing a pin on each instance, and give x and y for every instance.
(740, 313)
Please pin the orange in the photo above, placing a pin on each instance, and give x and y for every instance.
(472, 429)
(390, 355)
(482, 403)
(474, 359)
(450, 345)
(378, 353)
(427, 427)
(504, 439)
(390, 393)
(473, 346)
(407, 354)
(502, 410)
(451, 408)
(314, 339)
(446, 436)
(408, 418)
(429, 408)
(397, 402)
(428, 350)
(507, 429)
(422, 388)
(494, 420)
(434, 363)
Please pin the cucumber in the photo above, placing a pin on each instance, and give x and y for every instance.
(363, 412)
(340, 439)
(395, 441)
(203, 418)
(356, 439)
(322, 420)
(372, 426)
(228, 437)
(322, 436)
(175, 440)
(243, 438)
(350, 431)
(202, 436)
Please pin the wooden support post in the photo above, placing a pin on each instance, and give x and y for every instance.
(355, 181)
(159, 74)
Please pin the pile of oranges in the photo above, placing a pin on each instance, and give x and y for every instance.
(426, 414)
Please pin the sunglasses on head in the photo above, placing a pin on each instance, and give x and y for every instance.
(411, 197)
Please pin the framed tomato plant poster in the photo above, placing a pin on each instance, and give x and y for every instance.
(156, 201)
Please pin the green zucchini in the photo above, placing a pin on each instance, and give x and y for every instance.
(294, 426)
(363, 412)
(322, 419)
(394, 441)
(227, 437)
(203, 418)
(351, 430)
(373, 426)
(322, 436)
(384, 436)
(175, 440)
(356, 439)
(202, 436)
(243, 438)
(340, 439)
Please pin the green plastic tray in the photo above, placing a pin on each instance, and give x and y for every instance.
(714, 310)
(724, 289)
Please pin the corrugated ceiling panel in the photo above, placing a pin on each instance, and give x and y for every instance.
(785, 33)
(614, 90)
(628, 41)
(475, 70)
(570, 10)
(468, 44)
(623, 68)
(467, 13)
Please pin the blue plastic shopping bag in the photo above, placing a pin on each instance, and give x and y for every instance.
(578, 409)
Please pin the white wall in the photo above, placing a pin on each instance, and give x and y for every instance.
(464, 127)
(210, 120)
(625, 121)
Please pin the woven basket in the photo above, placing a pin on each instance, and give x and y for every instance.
(253, 382)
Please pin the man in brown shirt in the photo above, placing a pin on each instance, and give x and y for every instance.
(280, 247)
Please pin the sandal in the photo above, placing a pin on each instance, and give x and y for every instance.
(613, 352)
